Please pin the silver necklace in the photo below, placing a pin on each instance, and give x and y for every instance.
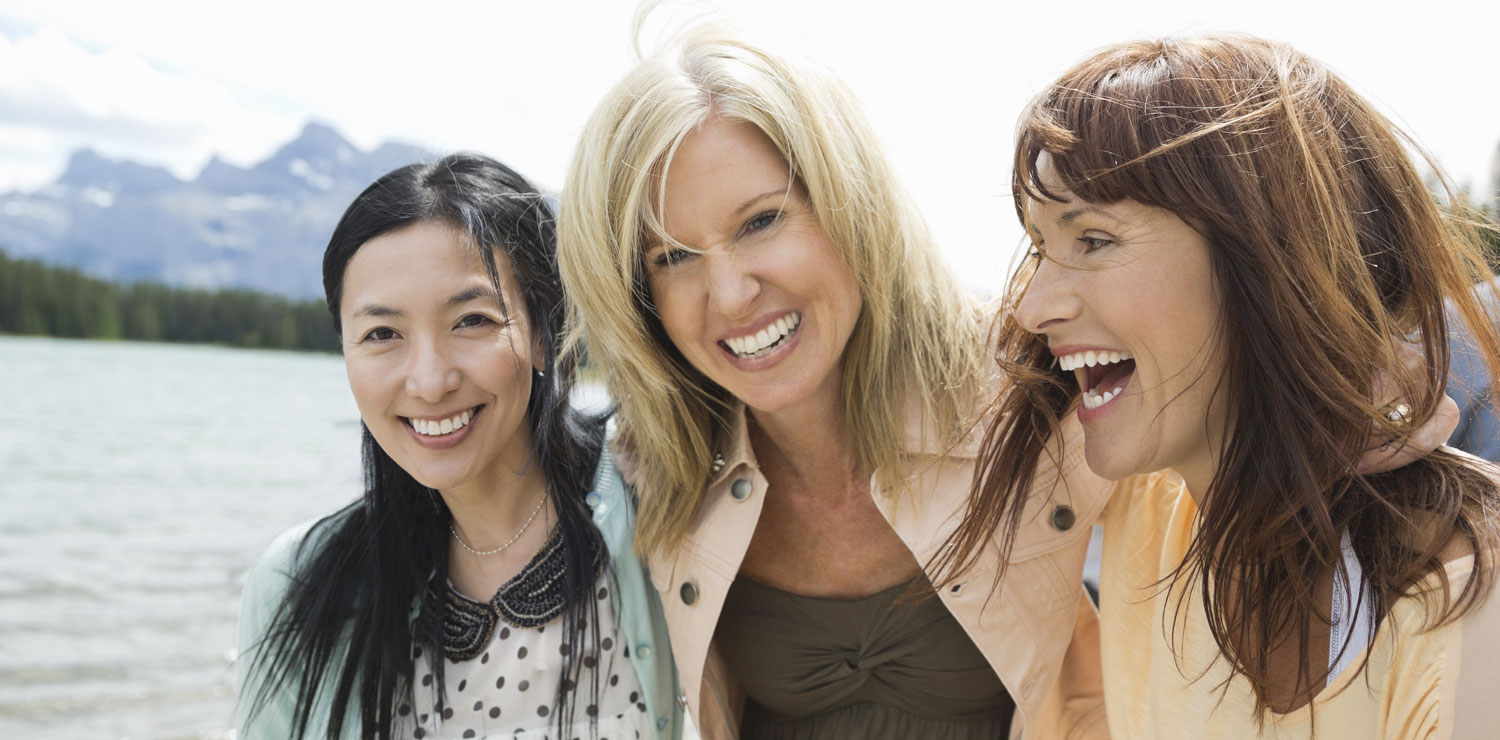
(508, 542)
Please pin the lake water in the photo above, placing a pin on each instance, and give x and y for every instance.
(138, 482)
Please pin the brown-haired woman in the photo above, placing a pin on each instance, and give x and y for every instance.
(1229, 242)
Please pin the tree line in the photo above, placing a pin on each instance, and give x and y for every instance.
(63, 302)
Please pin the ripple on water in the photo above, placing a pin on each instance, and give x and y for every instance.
(124, 541)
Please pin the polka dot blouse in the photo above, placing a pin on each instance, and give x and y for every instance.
(508, 689)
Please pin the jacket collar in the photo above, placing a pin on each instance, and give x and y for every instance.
(734, 449)
(920, 436)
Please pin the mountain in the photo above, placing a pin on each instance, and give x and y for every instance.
(262, 227)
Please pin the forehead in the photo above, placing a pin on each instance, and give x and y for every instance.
(1068, 208)
(1047, 175)
(429, 258)
(722, 146)
(719, 168)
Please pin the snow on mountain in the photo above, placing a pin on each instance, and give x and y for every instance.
(262, 227)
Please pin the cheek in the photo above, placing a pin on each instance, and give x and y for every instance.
(674, 310)
(850, 301)
(503, 368)
(369, 383)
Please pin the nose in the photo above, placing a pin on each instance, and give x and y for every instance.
(1049, 299)
(732, 283)
(432, 374)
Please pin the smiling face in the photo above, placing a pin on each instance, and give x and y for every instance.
(764, 304)
(1126, 301)
(440, 373)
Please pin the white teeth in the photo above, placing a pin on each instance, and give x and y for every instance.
(1093, 400)
(757, 343)
(1091, 358)
(445, 426)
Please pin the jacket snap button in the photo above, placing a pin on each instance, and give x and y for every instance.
(689, 593)
(643, 650)
(740, 489)
(1063, 518)
(661, 723)
(593, 499)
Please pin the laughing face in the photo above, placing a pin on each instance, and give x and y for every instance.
(761, 302)
(441, 374)
(1125, 298)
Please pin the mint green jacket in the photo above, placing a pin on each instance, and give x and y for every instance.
(638, 608)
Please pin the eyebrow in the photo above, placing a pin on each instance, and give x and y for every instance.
(458, 299)
(783, 190)
(376, 309)
(473, 293)
(1071, 214)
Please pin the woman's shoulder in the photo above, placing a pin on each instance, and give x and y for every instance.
(291, 550)
(1444, 671)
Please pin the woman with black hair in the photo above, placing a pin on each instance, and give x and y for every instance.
(469, 592)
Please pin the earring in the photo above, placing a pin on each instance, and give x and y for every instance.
(540, 373)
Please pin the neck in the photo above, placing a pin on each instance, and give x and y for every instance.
(487, 515)
(806, 444)
(1197, 478)
(1199, 469)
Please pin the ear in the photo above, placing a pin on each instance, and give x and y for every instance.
(538, 353)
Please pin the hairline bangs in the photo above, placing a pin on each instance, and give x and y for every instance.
(651, 227)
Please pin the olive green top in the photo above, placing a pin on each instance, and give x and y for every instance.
(868, 667)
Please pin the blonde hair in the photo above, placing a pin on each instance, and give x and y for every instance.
(917, 338)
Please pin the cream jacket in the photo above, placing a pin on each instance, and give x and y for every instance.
(1039, 632)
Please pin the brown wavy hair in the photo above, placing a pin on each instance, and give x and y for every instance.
(1328, 252)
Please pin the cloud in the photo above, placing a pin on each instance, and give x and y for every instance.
(64, 95)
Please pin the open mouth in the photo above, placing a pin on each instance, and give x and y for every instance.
(766, 340)
(1102, 374)
(443, 427)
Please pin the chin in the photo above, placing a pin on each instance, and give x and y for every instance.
(1107, 466)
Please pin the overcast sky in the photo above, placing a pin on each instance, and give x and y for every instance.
(170, 82)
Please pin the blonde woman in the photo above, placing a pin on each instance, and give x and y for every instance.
(797, 374)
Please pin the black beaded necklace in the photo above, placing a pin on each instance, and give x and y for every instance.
(531, 599)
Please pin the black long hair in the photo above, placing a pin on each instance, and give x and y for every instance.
(366, 565)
